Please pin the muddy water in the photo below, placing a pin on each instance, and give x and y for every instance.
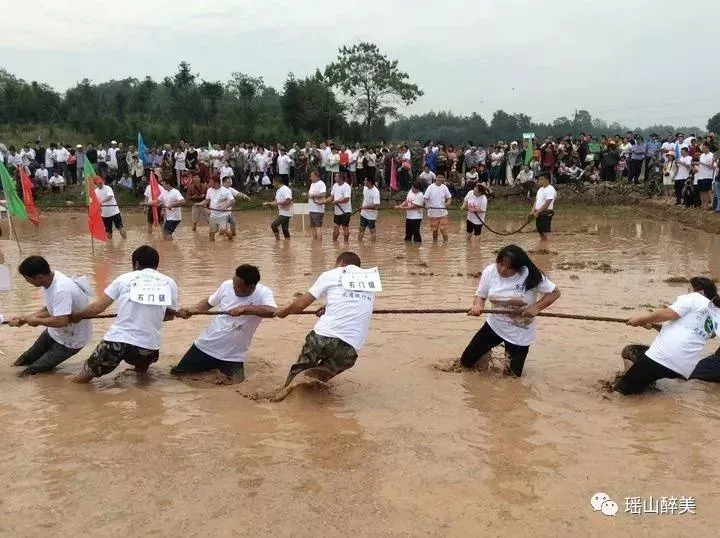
(394, 447)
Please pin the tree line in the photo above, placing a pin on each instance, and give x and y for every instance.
(353, 99)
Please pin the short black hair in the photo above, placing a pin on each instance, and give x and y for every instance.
(34, 266)
(249, 274)
(417, 185)
(349, 258)
(704, 285)
(370, 179)
(146, 257)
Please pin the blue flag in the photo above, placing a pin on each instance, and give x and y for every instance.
(142, 150)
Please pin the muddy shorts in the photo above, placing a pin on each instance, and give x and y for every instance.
(342, 220)
(316, 219)
(218, 223)
(151, 215)
(439, 223)
(543, 223)
(643, 372)
(472, 228)
(108, 355)
(108, 222)
(325, 352)
(367, 223)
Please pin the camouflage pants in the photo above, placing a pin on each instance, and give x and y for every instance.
(108, 355)
(633, 352)
(331, 354)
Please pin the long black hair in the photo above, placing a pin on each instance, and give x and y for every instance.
(517, 258)
(707, 287)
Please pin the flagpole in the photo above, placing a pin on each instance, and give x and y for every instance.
(13, 232)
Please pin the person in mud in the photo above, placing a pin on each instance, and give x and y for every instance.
(224, 344)
(513, 282)
(333, 345)
(145, 298)
(676, 353)
(544, 207)
(62, 337)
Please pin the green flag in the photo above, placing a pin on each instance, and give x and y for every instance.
(529, 151)
(15, 206)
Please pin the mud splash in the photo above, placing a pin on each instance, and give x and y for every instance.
(398, 445)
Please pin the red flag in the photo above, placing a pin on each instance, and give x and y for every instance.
(154, 195)
(27, 188)
(94, 219)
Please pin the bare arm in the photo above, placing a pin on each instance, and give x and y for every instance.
(659, 316)
(92, 310)
(478, 306)
(297, 306)
(542, 304)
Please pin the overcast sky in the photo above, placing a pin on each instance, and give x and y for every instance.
(637, 62)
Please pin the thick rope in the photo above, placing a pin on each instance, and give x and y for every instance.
(396, 311)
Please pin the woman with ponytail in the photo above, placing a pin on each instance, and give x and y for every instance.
(513, 282)
(688, 324)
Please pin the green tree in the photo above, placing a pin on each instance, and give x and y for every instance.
(713, 123)
(373, 84)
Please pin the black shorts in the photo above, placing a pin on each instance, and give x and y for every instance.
(704, 185)
(367, 223)
(150, 218)
(643, 373)
(543, 223)
(316, 219)
(170, 226)
(197, 361)
(109, 221)
(473, 228)
(342, 220)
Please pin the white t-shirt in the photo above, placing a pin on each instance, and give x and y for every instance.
(148, 193)
(139, 324)
(41, 175)
(370, 197)
(347, 313)
(61, 155)
(62, 298)
(112, 157)
(167, 198)
(544, 194)
(180, 157)
(56, 179)
(427, 177)
(518, 331)
(284, 163)
(338, 192)
(317, 188)
(477, 206)
(226, 171)
(218, 201)
(436, 198)
(49, 158)
(679, 346)
(281, 195)
(261, 162)
(102, 155)
(683, 172)
(417, 199)
(227, 338)
(109, 208)
(352, 160)
(705, 166)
